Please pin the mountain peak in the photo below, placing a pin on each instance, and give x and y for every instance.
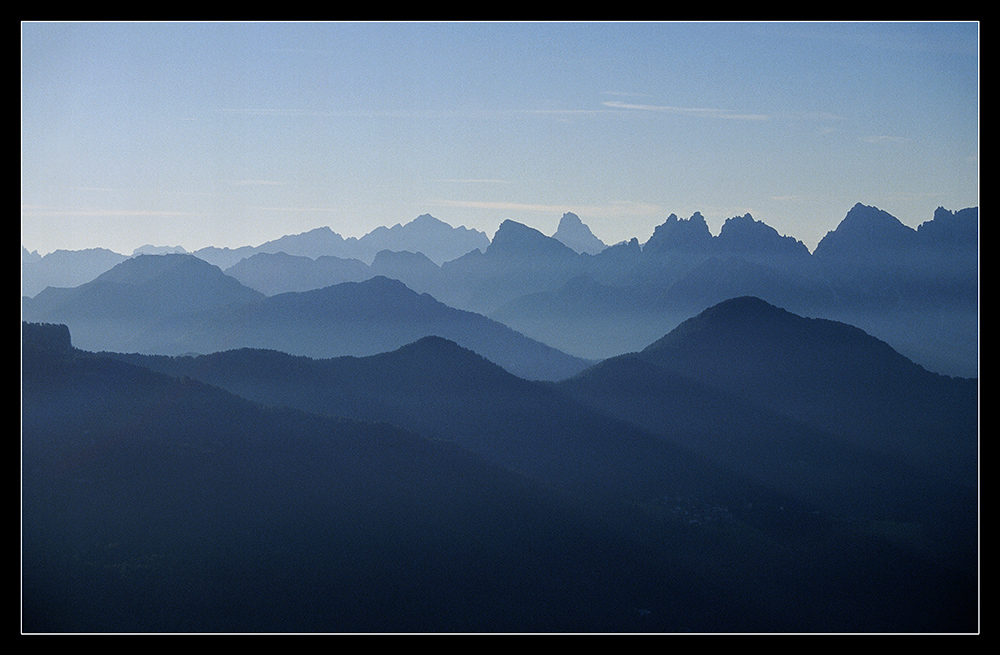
(513, 239)
(959, 228)
(573, 233)
(425, 234)
(733, 314)
(691, 235)
(780, 342)
(427, 219)
(143, 268)
(866, 231)
(745, 234)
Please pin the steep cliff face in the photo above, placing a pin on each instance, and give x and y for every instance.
(45, 339)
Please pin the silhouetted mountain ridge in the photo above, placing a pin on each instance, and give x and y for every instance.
(209, 513)
(916, 289)
(830, 375)
(154, 473)
(354, 318)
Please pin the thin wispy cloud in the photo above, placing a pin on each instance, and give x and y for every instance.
(48, 211)
(687, 111)
(625, 94)
(613, 209)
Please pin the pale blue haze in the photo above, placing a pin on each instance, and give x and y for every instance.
(231, 134)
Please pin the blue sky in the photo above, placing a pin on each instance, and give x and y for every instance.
(231, 134)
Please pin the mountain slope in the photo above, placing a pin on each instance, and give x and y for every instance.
(438, 389)
(433, 238)
(64, 268)
(152, 503)
(209, 512)
(360, 318)
(830, 375)
(576, 235)
(109, 312)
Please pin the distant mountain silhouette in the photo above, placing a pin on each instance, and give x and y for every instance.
(916, 289)
(948, 229)
(150, 249)
(519, 260)
(434, 238)
(29, 257)
(109, 312)
(414, 269)
(425, 234)
(65, 268)
(866, 232)
(362, 318)
(516, 241)
(576, 235)
(744, 235)
(274, 273)
(691, 235)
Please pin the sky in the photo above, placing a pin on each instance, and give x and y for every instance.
(232, 134)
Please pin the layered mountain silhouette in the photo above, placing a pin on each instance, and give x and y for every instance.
(436, 388)
(435, 239)
(428, 489)
(818, 372)
(112, 311)
(64, 268)
(274, 273)
(175, 304)
(917, 289)
(429, 430)
(152, 503)
(426, 235)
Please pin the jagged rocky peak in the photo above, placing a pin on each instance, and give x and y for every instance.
(690, 235)
(574, 233)
(745, 234)
(866, 230)
(949, 228)
(519, 240)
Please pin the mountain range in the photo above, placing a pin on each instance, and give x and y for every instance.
(429, 430)
(751, 470)
(917, 289)
(175, 304)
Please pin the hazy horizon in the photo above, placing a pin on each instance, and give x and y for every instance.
(233, 134)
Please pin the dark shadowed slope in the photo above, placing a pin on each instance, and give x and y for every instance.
(151, 503)
(819, 410)
(443, 391)
(832, 376)
(415, 542)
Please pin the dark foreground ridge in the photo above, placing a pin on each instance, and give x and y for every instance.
(428, 490)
